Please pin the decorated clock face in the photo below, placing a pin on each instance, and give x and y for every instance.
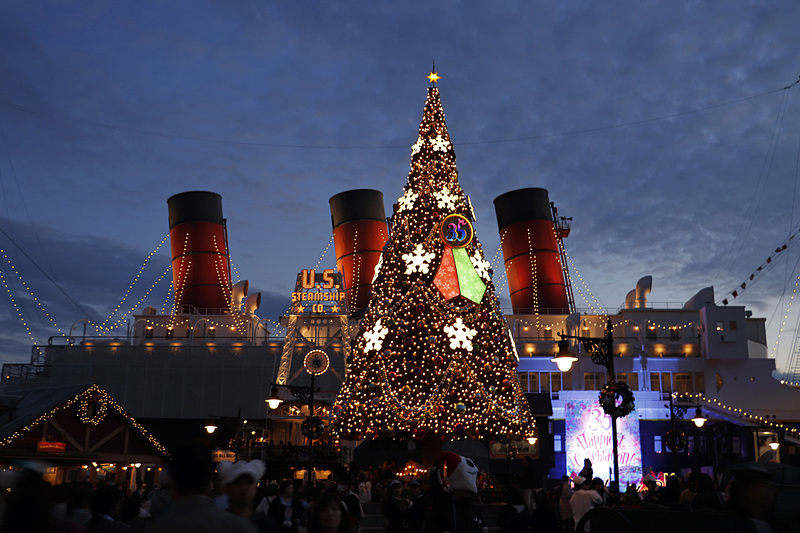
(456, 230)
(316, 362)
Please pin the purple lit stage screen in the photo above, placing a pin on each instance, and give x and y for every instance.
(588, 435)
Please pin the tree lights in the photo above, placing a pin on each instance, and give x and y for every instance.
(433, 355)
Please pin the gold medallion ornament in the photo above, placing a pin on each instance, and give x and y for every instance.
(316, 362)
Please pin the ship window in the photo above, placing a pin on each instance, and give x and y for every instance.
(557, 447)
(592, 381)
(651, 334)
(657, 443)
(674, 334)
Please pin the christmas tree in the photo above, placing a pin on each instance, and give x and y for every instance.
(433, 355)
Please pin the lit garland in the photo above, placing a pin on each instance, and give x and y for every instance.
(697, 398)
(428, 359)
(783, 324)
(90, 395)
(132, 284)
(583, 285)
(137, 304)
(16, 308)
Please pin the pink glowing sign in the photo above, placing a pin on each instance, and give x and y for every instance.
(588, 435)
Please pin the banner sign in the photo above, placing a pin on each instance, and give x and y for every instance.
(588, 436)
(51, 447)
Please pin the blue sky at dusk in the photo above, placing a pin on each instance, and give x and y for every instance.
(663, 128)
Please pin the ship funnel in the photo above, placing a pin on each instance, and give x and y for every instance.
(199, 243)
(359, 235)
(530, 251)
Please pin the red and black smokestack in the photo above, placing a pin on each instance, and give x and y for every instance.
(199, 241)
(359, 235)
(531, 254)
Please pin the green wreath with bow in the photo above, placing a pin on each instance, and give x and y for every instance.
(612, 391)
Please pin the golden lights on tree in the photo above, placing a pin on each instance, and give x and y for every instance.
(433, 355)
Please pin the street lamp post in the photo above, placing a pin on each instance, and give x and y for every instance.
(602, 352)
(301, 393)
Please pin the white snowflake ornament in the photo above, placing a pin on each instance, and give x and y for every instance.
(417, 146)
(407, 201)
(460, 335)
(445, 199)
(418, 260)
(481, 265)
(374, 337)
(440, 144)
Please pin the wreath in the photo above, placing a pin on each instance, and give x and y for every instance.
(92, 409)
(608, 399)
(675, 442)
(312, 427)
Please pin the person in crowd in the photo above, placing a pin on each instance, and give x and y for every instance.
(751, 505)
(328, 515)
(599, 487)
(528, 481)
(652, 492)
(104, 503)
(708, 496)
(352, 503)
(287, 512)
(192, 510)
(418, 508)
(364, 487)
(514, 516)
(545, 518)
(27, 507)
(456, 509)
(689, 492)
(161, 498)
(129, 512)
(671, 492)
(239, 480)
(270, 493)
(395, 506)
(586, 472)
(584, 500)
(565, 508)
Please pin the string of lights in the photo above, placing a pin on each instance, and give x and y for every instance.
(30, 293)
(136, 278)
(741, 413)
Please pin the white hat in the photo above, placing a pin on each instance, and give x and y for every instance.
(458, 472)
(579, 481)
(230, 472)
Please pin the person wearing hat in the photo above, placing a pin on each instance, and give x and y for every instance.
(456, 509)
(240, 482)
(584, 500)
(394, 508)
(418, 508)
(651, 495)
(192, 510)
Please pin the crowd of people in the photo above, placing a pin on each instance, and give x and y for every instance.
(195, 495)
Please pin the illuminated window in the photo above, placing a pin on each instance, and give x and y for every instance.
(699, 382)
(683, 383)
(534, 381)
(720, 326)
(547, 333)
(655, 381)
(555, 381)
(592, 381)
(657, 443)
(557, 444)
